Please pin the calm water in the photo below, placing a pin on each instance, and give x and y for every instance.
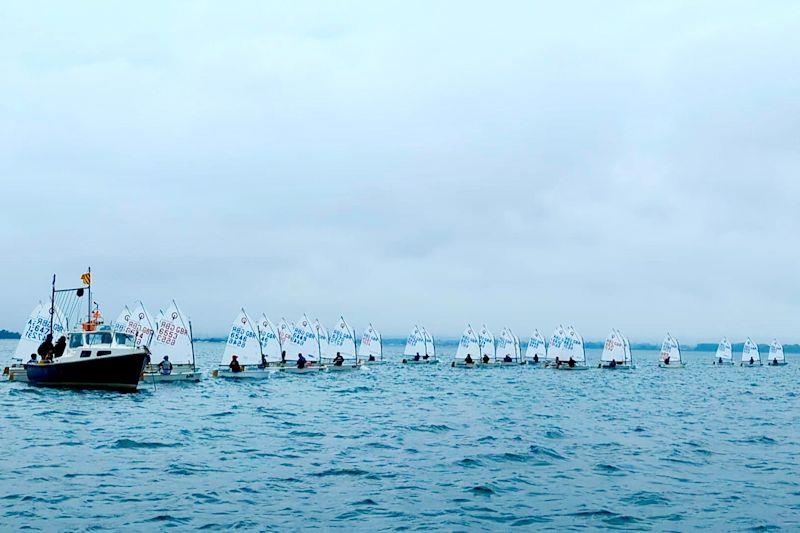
(412, 448)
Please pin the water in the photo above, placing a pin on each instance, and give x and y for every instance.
(417, 447)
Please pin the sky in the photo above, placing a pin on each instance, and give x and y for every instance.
(603, 164)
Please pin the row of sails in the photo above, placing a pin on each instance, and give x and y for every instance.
(254, 343)
(565, 343)
(170, 334)
(750, 350)
(420, 342)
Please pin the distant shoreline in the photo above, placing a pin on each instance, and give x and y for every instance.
(5, 334)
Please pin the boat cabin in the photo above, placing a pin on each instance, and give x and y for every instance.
(100, 342)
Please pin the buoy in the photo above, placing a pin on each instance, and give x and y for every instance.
(215, 373)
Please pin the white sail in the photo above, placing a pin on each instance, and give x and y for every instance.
(37, 327)
(121, 322)
(573, 346)
(671, 349)
(415, 343)
(303, 341)
(776, 352)
(506, 345)
(430, 348)
(517, 346)
(342, 340)
(536, 347)
(174, 338)
(724, 351)
(140, 325)
(614, 348)
(750, 349)
(323, 340)
(268, 338)
(371, 344)
(243, 342)
(556, 348)
(468, 345)
(486, 342)
(157, 321)
(628, 354)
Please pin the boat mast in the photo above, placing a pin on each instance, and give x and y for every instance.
(52, 303)
(89, 304)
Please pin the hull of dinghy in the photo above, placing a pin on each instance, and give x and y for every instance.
(306, 370)
(421, 362)
(16, 372)
(343, 368)
(533, 364)
(255, 373)
(461, 364)
(729, 363)
(567, 367)
(606, 366)
(179, 373)
(778, 364)
(748, 365)
(121, 372)
(672, 365)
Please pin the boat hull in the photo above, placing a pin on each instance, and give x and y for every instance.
(420, 362)
(120, 372)
(247, 373)
(567, 367)
(462, 364)
(778, 364)
(16, 372)
(717, 363)
(186, 373)
(672, 365)
(748, 365)
(343, 368)
(606, 366)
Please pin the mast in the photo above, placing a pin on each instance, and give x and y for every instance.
(52, 304)
(191, 342)
(89, 303)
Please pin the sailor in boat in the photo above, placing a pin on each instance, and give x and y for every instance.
(283, 357)
(775, 362)
(234, 364)
(338, 360)
(612, 364)
(371, 358)
(752, 360)
(301, 361)
(507, 359)
(165, 366)
(666, 360)
(558, 362)
(46, 347)
(720, 360)
(33, 359)
(60, 346)
(485, 359)
(536, 358)
(426, 357)
(571, 362)
(416, 357)
(468, 359)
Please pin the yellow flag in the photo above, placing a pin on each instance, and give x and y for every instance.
(86, 278)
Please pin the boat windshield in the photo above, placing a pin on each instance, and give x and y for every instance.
(124, 340)
(75, 340)
(98, 338)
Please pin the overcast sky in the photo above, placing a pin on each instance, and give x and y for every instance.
(605, 164)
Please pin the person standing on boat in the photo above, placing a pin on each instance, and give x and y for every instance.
(46, 347)
(338, 360)
(234, 365)
(165, 366)
(301, 361)
(60, 346)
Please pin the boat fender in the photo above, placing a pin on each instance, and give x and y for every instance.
(215, 373)
(5, 371)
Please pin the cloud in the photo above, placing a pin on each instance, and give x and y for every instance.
(526, 164)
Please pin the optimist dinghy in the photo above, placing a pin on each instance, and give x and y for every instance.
(33, 334)
(776, 357)
(242, 358)
(507, 349)
(304, 341)
(488, 354)
(371, 348)
(724, 355)
(342, 342)
(573, 354)
(270, 344)
(556, 347)
(430, 347)
(616, 352)
(173, 340)
(140, 325)
(671, 353)
(536, 353)
(750, 354)
(415, 350)
(468, 350)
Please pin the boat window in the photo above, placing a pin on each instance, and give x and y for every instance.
(75, 341)
(124, 340)
(98, 338)
(103, 352)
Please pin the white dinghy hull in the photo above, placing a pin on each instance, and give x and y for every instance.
(420, 362)
(246, 373)
(16, 372)
(671, 365)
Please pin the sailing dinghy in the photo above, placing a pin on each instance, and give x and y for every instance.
(174, 341)
(556, 347)
(616, 352)
(245, 347)
(304, 341)
(750, 354)
(270, 344)
(414, 352)
(671, 353)
(507, 349)
(284, 332)
(536, 353)
(487, 348)
(724, 353)
(776, 357)
(342, 342)
(37, 327)
(573, 353)
(468, 349)
(371, 348)
(140, 325)
(430, 347)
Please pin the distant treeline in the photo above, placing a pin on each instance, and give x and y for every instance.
(592, 345)
(5, 334)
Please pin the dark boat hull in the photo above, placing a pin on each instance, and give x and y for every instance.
(121, 372)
